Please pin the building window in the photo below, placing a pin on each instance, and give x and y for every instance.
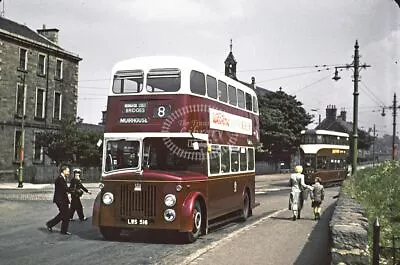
(40, 103)
(57, 106)
(59, 69)
(17, 145)
(41, 67)
(20, 100)
(38, 150)
(23, 59)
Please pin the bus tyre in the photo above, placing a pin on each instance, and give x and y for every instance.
(245, 213)
(197, 220)
(110, 233)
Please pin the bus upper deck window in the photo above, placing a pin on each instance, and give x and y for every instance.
(249, 103)
(240, 96)
(232, 95)
(255, 104)
(197, 83)
(222, 91)
(163, 80)
(130, 81)
(211, 87)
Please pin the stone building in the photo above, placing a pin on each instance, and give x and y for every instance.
(333, 122)
(38, 88)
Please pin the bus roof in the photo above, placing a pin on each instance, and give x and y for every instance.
(324, 132)
(183, 63)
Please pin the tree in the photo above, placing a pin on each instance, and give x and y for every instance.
(69, 145)
(282, 118)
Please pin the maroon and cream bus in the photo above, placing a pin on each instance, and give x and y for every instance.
(324, 154)
(178, 149)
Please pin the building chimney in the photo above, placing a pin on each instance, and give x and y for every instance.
(331, 112)
(343, 114)
(50, 34)
(253, 82)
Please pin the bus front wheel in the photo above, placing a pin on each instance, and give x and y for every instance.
(197, 219)
(110, 233)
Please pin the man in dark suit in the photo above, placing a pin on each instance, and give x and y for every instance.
(62, 201)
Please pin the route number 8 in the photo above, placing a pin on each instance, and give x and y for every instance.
(161, 111)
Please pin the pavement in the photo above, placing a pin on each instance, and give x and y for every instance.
(30, 191)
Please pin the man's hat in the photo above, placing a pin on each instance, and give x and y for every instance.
(76, 170)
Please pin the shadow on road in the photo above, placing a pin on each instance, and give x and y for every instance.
(86, 231)
(317, 250)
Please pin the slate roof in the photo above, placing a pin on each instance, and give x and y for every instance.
(337, 125)
(24, 31)
(259, 90)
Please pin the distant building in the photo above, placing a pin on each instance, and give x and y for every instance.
(230, 71)
(38, 85)
(332, 122)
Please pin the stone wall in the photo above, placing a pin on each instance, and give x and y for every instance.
(349, 230)
(39, 174)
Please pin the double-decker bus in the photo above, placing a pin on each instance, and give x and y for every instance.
(324, 154)
(178, 149)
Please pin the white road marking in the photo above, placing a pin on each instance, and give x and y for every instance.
(215, 244)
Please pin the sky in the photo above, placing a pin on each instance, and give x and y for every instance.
(280, 43)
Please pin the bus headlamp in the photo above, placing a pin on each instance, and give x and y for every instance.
(169, 215)
(170, 200)
(108, 198)
(178, 187)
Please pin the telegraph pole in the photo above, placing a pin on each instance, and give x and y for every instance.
(356, 66)
(373, 148)
(394, 127)
(355, 109)
(22, 140)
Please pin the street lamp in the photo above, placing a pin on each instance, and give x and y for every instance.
(356, 66)
(22, 140)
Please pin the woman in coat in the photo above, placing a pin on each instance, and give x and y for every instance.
(297, 193)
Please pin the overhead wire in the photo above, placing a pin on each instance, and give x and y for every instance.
(293, 75)
(311, 84)
(288, 68)
(370, 91)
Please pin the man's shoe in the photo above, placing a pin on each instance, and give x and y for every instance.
(84, 219)
(49, 228)
(294, 218)
(66, 233)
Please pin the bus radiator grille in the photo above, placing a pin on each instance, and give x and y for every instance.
(138, 204)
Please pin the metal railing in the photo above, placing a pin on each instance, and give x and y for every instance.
(377, 249)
